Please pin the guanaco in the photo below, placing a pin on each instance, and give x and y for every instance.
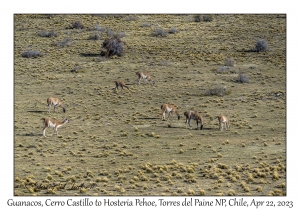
(170, 109)
(120, 83)
(55, 102)
(195, 116)
(223, 122)
(52, 123)
(144, 75)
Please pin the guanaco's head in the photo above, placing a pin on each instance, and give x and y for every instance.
(66, 120)
(186, 113)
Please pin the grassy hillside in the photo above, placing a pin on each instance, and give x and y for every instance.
(116, 142)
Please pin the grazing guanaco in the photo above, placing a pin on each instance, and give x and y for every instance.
(52, 123)
(195, 116)
(170, 109)
(120, 83)
(144, 75)
(223, 121)
(55, 102)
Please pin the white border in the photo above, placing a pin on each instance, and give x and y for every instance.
(9, 8)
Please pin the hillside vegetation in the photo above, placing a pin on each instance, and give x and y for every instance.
(116, 142)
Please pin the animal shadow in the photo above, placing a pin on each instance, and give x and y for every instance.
(36, 111)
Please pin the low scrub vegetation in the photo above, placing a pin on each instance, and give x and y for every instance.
(229, 62)
(160, 32)
(113, 46)
(202, 18)
(117, 143)
(223, 69)
(130, 18)
(146, 24)
(173, 30)
(64, 43)
(115, 35)
(95, 37)
(242, 78)
(32, 54)
(261, 46)
(77, 25)
(217, 90)
(47, 34)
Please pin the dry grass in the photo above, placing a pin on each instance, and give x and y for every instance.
(116, 142)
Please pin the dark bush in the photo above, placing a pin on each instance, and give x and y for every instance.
(217, 90)
(77, 25)
(47, 34)
(261, 45)
(242, 78)
(32, 54)
(113, 46)
(159, 32)
(229, 62)
(173, 30)
(202, 18)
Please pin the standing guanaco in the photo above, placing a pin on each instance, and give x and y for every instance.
(170, 109)
(52, 123)
(55, 102)
(223, 122)
(195, 116)
(120, 83)
(144, 75)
